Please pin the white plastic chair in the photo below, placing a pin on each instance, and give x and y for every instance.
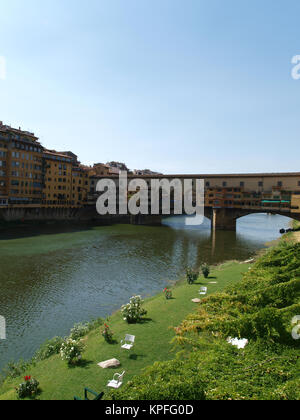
(117, 380)
(128, 342)
(203, 291)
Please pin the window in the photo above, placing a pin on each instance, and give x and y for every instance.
(242, 184)
(279, 184)
(260, 184)
(224, 184)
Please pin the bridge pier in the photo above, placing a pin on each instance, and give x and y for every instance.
(223, 219)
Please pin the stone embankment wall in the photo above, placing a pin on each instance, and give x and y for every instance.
(88, 214)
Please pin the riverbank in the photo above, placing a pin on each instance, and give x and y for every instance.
(20, 225)
(256, 301)
(76, 274)
(292, 234)
(153, 337)
(296, 235)
(263, 309)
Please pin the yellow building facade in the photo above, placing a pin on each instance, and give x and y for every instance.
(57, 190)
(80, 186)
(21, 168)
(66, 182)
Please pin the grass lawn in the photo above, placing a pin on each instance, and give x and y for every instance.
(153, 336)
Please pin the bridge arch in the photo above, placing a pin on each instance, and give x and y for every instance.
(226, 218)
(244, 213)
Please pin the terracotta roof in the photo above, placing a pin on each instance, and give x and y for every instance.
(53, 153)
(5, 128)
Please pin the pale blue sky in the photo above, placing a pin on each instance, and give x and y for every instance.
(178, 86)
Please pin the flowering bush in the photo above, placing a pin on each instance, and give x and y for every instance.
(71, 351)
(107, 334)
(168, 293)
(133, 311)
(29, 388)
(79, 330)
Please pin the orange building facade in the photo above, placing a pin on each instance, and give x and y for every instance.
(66, 182)
(57, 179)
(80, 186)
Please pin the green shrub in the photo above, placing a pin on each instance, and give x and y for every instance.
(205, 270)
(191, 275)
(164, 381)
(49, 348)
(266, 323)
(15, 369)
(290, 391)
(93, 325)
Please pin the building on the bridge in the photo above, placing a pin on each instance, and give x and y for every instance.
(228, 197)
(100, 169)
(116, 167)
(21, 161)
(260, 191)
(295, 204)
(141, 172)
(109, 169)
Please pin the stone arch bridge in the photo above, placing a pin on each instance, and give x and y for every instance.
(230, 197)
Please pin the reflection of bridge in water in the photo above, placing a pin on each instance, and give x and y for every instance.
(215, 246)
(230, 197)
